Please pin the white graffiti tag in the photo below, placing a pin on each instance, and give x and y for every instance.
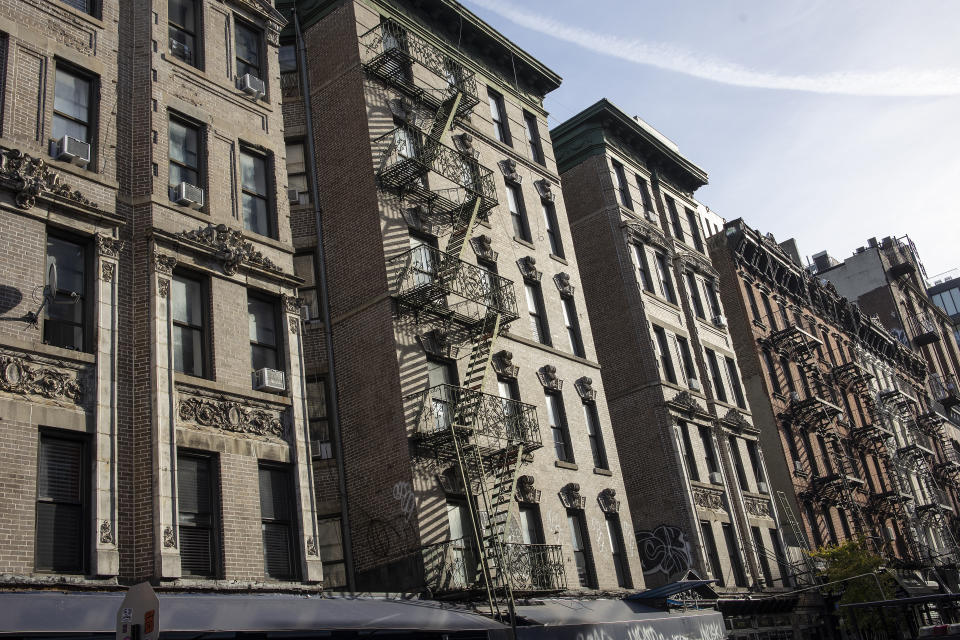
(403, 493)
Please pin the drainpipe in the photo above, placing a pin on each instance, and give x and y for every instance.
(320, 272)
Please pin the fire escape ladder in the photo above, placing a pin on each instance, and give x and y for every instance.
(810, 570)
(463, 226)
(480, 352)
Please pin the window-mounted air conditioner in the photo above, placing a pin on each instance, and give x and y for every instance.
(794, 396)
(762, 488)
(716, 478)
(252, 85)
(293, 196)
(694, 385)
(720, 320)
(269, 380)
(305, 314)
(189, 195)
(649, 215)
(180, 49)
(72, 150)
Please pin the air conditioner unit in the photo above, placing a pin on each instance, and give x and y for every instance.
(252, 85)
(762, 487)
(720, 321)
(649, 215)
(716, 478)
(179, 49)
(794, 396)
(72, 150)
(694, 385)
(189, 195)
(293, 196)
(797, 466)
(305, 314)
(269, 380)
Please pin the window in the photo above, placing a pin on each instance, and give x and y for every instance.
(715, 310)
(441, 375)
(61, 504)
(85, 6)
(770, 320)
(615, 537)
(689, 368)
(64, 323)
(248, 50)
(321, 444)
(710, 453)
(666, 361)
(688, 453)
(695, 294)
(182, 29)
(509, 390)
(666, 282)
(289, 71)
(196, 504)
(531, 529)
(736, 562)
(533, 137)
(462, 548)
(622, 187)
(754, 455)
(735, 383)
(694, 230)
(297, 172)
(714, 558)
(787, 375)
(254, 182)
(828, 520)
(277, 523)
(772, 371)
(557, 417)
(184, 154)
(718, 386)
(538, 317)
(330, 545)
(752, 300)
(518, 213)
(645, 194)
(498, 113)
(675, 219)
(553, 228)
(573, 326)
(762, 553)
(643, 270)
(779, 556)
(580, 541)
(187, 308)
(738, 463)
(264, 338)
(72, 101)
(303, 267)
(595, 436)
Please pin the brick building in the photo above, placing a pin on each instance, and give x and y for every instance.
(945, 293)
(151, 394)
(669, 368)
(860, 441)
(477, 455)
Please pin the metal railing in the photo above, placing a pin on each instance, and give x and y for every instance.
(453, 565)
(492, 419)
(430, 279)
(924, 328)
(535, 567)
(793, 342)
(944, 388)
(290, 84)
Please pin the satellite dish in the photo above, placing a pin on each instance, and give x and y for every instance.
(51, 291)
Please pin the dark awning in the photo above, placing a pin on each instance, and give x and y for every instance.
(758, 606)
(659, 593)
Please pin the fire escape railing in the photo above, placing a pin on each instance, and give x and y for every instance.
(452, 567)
(924, 329)
(945, 390)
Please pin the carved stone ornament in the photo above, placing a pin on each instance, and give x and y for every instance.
(735, 420)
(108, 245)
(106, 532)
(528, 269)
(508, 168)
(526, 492)
(503, 364)
(273, 20)
(584, 387)
(294, 324)
(483, 247)
(607, 499)
(562, 280)
(695, 262)
(164, 263)
(169, 539)
(415, 216)
(228, 415)
(648, 233)
(758, 507)
(545, 189)
(570, 496)
(107, 270)
(312, 547)
(548, 378)
(401, 109)
(708, 498)
(437, 342)
(451, 482)
(163, 287)
(229, 247)
(464, 144)
(685, 402)
(31, 178)
(292, 304)
(23, 376)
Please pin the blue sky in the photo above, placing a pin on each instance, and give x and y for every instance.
(827, 121)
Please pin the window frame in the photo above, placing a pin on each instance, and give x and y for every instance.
(645, 198)
(733, 552)
(713, 552)
(197, 34)
(93, 106)
(618, 550)
(86, 309)
(317, 449)
(598, 448)
(572, 323)
(253, 294)
(203, 327)
(291, 523)
(642, 267)
(200, 169)
(668, 371)
(623, 189)
(534, 142)
(521, 223)
(695, 231)
(92, 7)
(693, 286)
(709, 450)
(733, 372)
(84, 502)
(240, 23)
(716, 374)
(268, 197)
(537, 315)
(310, 289)
(302, 143)
(498, 115)
(688, 453)
(559, 426)
(676, 224)
(686, 359)
(212, 462)
(552, 228)
(662, 266)
(577, 517)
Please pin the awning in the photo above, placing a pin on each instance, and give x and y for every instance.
(701, 587)
(757, 606)
(55, 612)
(564, 619)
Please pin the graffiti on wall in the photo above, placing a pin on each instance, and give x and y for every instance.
(403, 493)
(665, 550)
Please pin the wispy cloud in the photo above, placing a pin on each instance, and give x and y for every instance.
(897, 82)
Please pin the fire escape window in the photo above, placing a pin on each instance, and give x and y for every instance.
(531, 529)
(772, 372)
(580, 541)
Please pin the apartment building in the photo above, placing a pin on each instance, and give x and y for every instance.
(688, 438)
(945, 293)
(477, 456)
(853, 425)
(152, 395)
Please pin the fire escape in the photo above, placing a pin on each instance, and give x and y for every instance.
(482, 437)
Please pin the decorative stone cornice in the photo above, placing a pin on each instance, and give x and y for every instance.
(231, 416)
(109, 246)
(545, 189)
(292, 304)
(646, 233)
(528, 269)
(29, 376)
(508, 168)
(758, 507)
(562, 280)
(32, 179)
(229, 247)
(548, 378)
(164, 263)
(584, 387)
(483, 247)
(709, 498)
(735, 420)
(464, 144)
(684, 402)
(607, 499)
(697, 262)
(438, 342)
(526, 492)
(570, 496)
(503, 364)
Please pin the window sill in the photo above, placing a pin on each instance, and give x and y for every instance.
(267, 240)
(559, 259)
(560, 464)
(213, 385)
(83, 15)
(264, 102)
(36, 346)
(602, 472)
(525, 243)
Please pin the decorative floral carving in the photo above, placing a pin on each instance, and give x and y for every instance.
(570, 496)
(20, 375)
(562, 280)
(758, 507)
(708, 498)
(163, 287)
(312, 547)
(545, 189)
(106, 532)
(464, 144)
(108, 245)
(483, 247)
(608, 502)
(438, 342)
(292, 304)
(648, 233)
(164, 263)
(584, 387)
(509, 169)
(685, 402)
(32, 178)
(169, 539)
(528, 268)
(229, 247)
(548, 378)
(503, 364)
(401, 109)
(735, 420)
(294, 324)
(107, 269)
(232, 416)
(526, 492)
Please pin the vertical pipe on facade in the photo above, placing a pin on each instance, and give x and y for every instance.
(320, 268)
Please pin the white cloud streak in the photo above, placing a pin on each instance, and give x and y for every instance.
(894, 82)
